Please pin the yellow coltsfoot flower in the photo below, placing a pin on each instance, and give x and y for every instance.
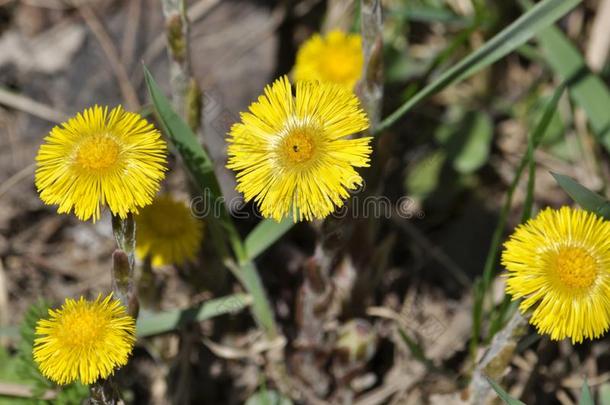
(101, 158)
(292, 154)
(168, 232)
(559, 262)
(335, 57)
(84, 340)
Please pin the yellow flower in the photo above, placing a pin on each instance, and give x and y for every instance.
(98, 158)
(559, 263)
(84, 340)
(168, 232)
(336, 57)
(292, 154)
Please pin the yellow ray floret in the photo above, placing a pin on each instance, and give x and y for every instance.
(293, 154)
(559, 263)
(84, 340)
(335, 57)
(168, 232)
(101, 158)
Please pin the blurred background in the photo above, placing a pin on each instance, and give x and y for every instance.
(401, 326)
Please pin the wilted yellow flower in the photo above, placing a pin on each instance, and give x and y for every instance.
(84, 340)
(559, 263)
(101, 158)
(292, 154)
(168, 232)
(336, 57)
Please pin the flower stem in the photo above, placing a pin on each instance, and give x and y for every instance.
(105, 392)
(123, 263)
(371, 87)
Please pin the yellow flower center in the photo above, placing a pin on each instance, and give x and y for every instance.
(298, 146)
(575, 267)
(168, 225)
(82, 328)
(97, 153)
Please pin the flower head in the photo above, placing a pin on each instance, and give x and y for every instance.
(168, 232)
(84, 340)
(292, 154)
(101, 158)
(336, 58)
(559, 263)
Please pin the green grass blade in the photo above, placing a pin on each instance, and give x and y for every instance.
(585, 395)
(492, 256)
(532, 143)
(266, 233)
(261, 308)
(604, 394)
(586, 198)
(503, 394)
(167, 321)
(586, 89)
(528, 25)
(197, 161)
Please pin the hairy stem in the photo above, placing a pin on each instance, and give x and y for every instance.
(123, 263)
(186, 93)
(371, 86)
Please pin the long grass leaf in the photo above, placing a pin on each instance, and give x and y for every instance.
(503, 394)
(586, 398)
(586, 198)
(492, 255)
(266, 233)
(586, 88)
(527, 26)
(167, 321)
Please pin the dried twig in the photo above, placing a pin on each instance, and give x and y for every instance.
(127, 90)
(599, 42)
(178, 48)
(339, 15)
(16, 178)
(496, 359)
(194, 13)
(23, 391)
(128, 47)
(35, 108)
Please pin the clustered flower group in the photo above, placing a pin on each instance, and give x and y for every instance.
(294, 153)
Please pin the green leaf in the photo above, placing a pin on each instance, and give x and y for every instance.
(268, 397)
(424, 177)
(475, 151)
(528, 25)
(585, 395)
(586, 89)
(586, 198)
(197, 161)
(265, 234)
(167, 321)
(467, 138)
(503, 394)
(604, 394)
